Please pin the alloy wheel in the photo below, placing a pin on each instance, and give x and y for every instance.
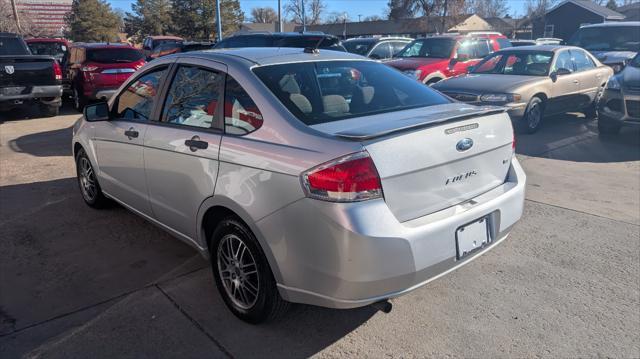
(534, 116)
(238, 271)
(87, 180)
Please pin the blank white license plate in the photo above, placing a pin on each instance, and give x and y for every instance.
(12, 90)
(472, 237)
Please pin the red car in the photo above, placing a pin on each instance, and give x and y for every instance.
(432, 59)
(55, 47)
(96, 70)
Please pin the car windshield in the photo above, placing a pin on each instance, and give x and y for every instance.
(434, 47)
(607, 38)
(327, 91)
(54, 49)
(524, 63)
(112, 55)
(358, 47)
(635, 62)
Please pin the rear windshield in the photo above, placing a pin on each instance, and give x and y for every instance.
(320, 92)
(54, 49)
(358, 47)
(434, 47)
(112, 55)
(12, 46)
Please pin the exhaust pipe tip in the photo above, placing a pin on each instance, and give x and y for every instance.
(384, 306)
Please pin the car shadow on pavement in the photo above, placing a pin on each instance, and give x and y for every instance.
(70, 266)
(572, 137)
(44, 144)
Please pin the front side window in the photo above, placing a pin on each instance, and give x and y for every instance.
(136, 102)
(564, 61)
(327, 91)
(241, 115)
(193, 97)
(582, 61)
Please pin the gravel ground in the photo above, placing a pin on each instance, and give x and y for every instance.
(76, 282)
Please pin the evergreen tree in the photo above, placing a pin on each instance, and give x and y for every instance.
(197, 20)
(611, 4)
(148, 17)
(92, 20)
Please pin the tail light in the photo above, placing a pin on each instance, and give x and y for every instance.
(513, 142)
(57, 71)
(89, 68)
(347, 179)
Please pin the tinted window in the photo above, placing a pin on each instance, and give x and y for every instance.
(396, 47)
(136, 101)
(241, 115)
(526, 63)
(564, 61)
(330, 43)
(608, 38)
(582, 61)
(113, 55)
(193, 97)
(474, 49)
(54, 49)
(358, 47)
(382, 51)
(12, 46)
(503, 43)
(258, 41)
(334, 90)
(434, 47)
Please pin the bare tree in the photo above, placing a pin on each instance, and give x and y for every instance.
(314, 10)
(336, 17)
(8, 22)
(401, 9)
(263, 15)
(538, 7)
(372, 18)
(488, 8)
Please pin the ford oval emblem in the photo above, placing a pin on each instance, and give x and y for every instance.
(464, 144)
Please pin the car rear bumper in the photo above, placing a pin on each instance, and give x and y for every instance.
(350, 255)
(36, 92)
(619, 107)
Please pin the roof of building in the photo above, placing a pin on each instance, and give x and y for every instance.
(591, 6)
(421, 25)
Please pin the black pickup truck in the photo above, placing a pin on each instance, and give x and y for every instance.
(27, 79)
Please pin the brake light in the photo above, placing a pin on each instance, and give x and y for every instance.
(89, 68)
(347, 179)
(57, 71)
(513, 142)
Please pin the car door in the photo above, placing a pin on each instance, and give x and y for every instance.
(590, 77)
(119, 140)
(181, 149)
(565, 89)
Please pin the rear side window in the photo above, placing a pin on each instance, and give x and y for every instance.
(137, 100)
(320, 92)
(241, 115)
(563, 61)
(503, 43)
(582, 61)
(193, 97)
(114, 55)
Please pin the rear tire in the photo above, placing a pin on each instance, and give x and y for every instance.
(242, 274)
(532, 119)
(79, 100)
(49, 110)
(88, 182)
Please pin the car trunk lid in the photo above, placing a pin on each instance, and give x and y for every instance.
(432, 158)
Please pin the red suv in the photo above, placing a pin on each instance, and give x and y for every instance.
(432, 59)
(97, 70)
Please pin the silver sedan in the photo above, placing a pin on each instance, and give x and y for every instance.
(312, 177)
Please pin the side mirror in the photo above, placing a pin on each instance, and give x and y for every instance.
(96, 112)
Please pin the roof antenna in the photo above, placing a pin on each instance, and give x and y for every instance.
(314, 49)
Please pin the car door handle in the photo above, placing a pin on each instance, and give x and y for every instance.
(131, 133)
(576, 81)
(195, 144)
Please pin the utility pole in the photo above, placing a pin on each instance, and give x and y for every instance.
(304, 20)
(16, 16)
(218, 22)
(444, 17)
(359, 16)
(279, 16)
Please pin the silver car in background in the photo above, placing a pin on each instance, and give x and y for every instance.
(533, 82)
(311, 177)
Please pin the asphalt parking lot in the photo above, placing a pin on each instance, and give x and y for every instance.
(76, 282)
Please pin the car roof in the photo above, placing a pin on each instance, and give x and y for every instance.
(103, 45)
(613, 24)
(284, 34)
(552, 48)
(274, 55)
(377, 39)
(164, 37)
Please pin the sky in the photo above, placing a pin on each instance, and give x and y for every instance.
(352, 7)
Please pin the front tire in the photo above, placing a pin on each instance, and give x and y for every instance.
(242, 274)
(88, 182)
(532, 119)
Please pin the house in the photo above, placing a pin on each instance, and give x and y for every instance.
(631, 12)
(564, 19)
(414, 27)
